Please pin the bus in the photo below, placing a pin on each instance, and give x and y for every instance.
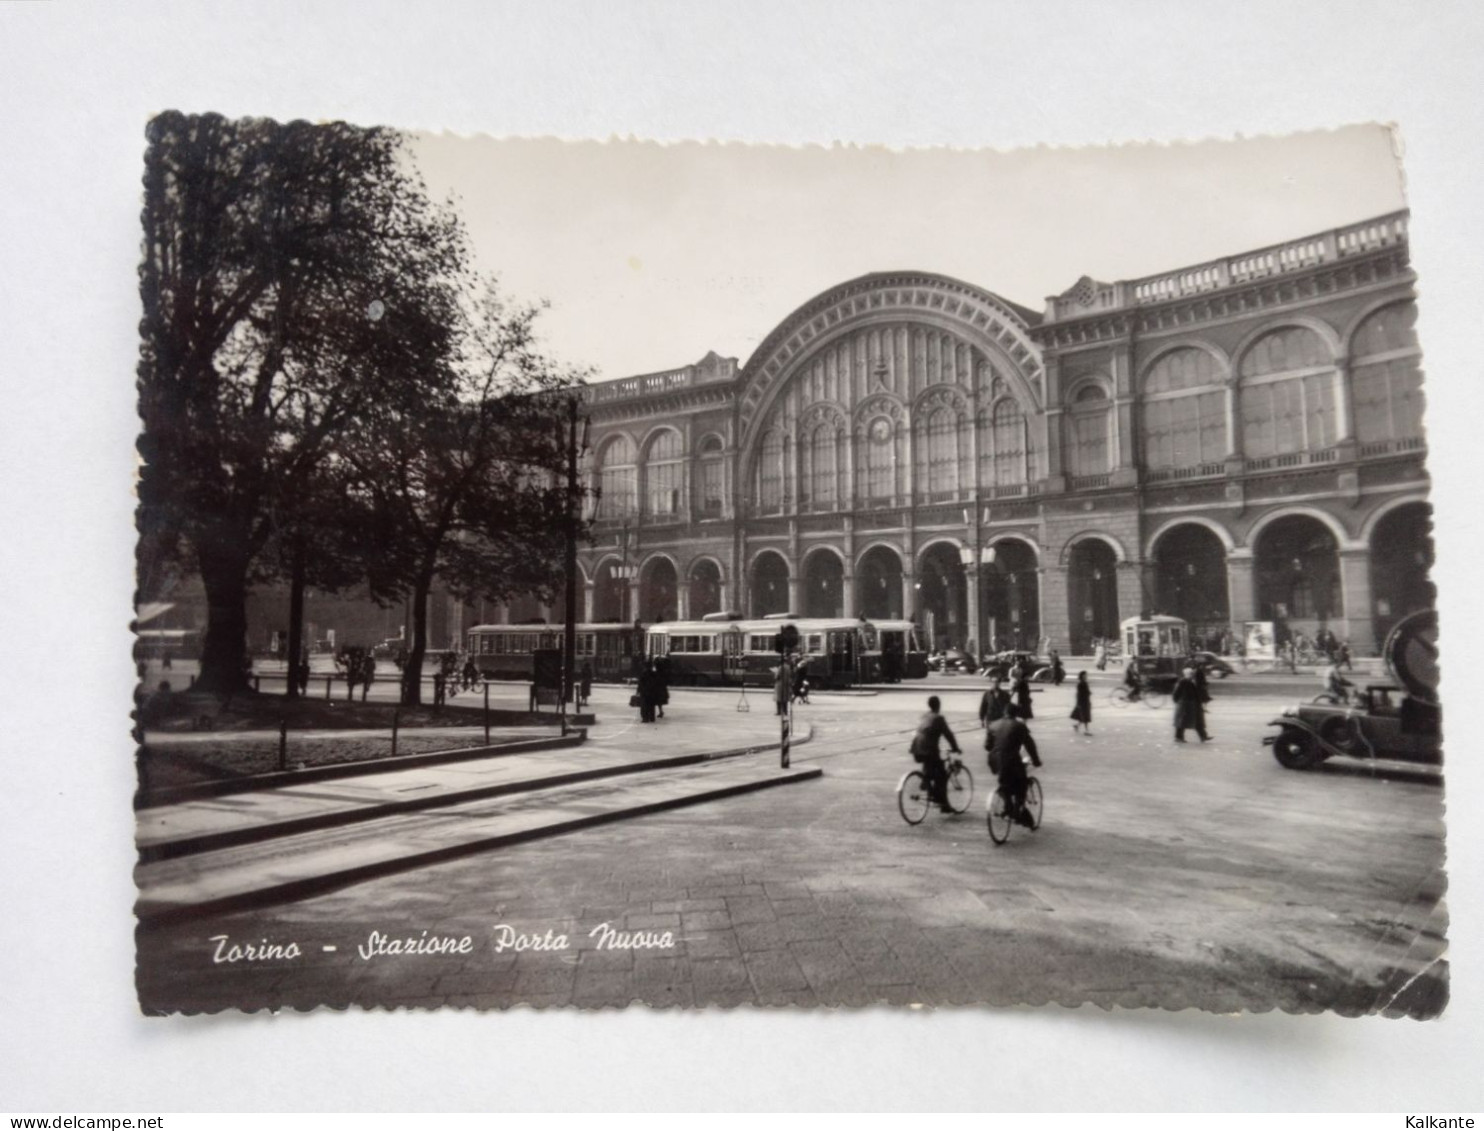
(504, 651)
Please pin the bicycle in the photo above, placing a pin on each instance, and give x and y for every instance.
(914, 797)
(1123, 695)
(1000, 818)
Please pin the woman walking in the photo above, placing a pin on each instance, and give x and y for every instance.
(1023, 696)
(1082, 711)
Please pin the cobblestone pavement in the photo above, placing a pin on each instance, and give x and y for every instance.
(1164, 875)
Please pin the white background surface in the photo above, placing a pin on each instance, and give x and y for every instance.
(77, 84)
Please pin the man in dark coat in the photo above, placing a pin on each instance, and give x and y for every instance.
(1023, 696)
(992, 705)
(933, 728)
(1005, 740)
(782, 687)
(1190, 707)
(1058, 673)
(1082, 712)
(648, 694)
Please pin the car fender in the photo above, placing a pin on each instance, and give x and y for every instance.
(1289, 722)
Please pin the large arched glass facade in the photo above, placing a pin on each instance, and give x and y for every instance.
(1183, 412)
(664, 475)
(618, 478)
(1089, 426)
(1386, 376)
(1288, 394)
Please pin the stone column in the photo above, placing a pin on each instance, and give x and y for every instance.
(1131, 586)
(1241, 595)
(633, 609)
(1355, 587)
(847, 594)
(588, 590)
(794, 595)
(1055, 620)
(909, 594)
(682, 600)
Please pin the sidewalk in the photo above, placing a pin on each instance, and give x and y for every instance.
(272, 845)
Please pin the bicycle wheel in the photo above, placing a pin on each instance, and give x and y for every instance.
(912, 797)
(1034, 802)
(998, 817)
(1154, 700)
(1119, 696)
(960, 788)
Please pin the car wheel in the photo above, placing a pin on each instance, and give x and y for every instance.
(1340, 733)
(1296, 750)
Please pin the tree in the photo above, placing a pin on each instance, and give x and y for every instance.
(293, 275)
(468, 486)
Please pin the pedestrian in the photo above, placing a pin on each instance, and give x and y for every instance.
(1023, 696)
(1190, 709)
(1058, 673)
(368, 675)
(1100, 654)
(352, 676)
(931, 729)
(1082, 711)
(1343, 660)
(801, 684)
(782, 686)
(585, 683)
(648, 693)
(440, 687)
(471, 673)
(992, 705)
(1005, 741)
(661, 684)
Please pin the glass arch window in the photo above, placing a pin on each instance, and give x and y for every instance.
(942, 453)
(1089, 423)
(878, 461)
(1288, 394)
(712, 478)
(1007, 427)
(618, 478)
(1386, 376)
(1184, 411)
(664, 475)
(819, 476)
(770, 477)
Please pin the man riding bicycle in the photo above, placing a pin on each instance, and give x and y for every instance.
(1132, 679)
(931, 729)
(1005, 740)
(1336, 685)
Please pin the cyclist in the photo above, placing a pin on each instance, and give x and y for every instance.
(1132, 679)
(1005, 741)
(932, 728)
(1336, 685)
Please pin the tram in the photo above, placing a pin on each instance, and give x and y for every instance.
(902, 656)
(504, 651)
(1160, 645)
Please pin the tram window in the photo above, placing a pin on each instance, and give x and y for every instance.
(760, 643)
(815, 644)
(1146, 643)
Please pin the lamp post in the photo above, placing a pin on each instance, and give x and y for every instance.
(576, 447)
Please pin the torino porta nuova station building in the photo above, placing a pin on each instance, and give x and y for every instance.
(1232, 441)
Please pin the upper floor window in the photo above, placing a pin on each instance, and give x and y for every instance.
(879, 458)
(1288, 394)
(771, 472)
(1009, 445)
(1386, 375)
(942, 452)
(618, 478)
(713, 477)
(1089, 422)
(1183, 410)
(664, 474)
(820, 473)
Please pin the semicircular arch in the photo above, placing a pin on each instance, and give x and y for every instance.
(1119, 553)
(1210, 524)
(1326, 333)
(1342, 536)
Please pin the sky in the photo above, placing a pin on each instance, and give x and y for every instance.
(652, 255)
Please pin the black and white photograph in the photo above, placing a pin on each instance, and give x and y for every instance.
(594, 575)
(816, 556)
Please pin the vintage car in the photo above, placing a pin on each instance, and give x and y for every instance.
(1001, 663)
(1399, 721)
(1213, 664)
(951, 662)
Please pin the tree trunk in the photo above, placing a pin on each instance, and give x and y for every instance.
(224, 649)
(412, 675)
(296, 619)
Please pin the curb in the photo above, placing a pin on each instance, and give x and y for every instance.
(208, 842)
(158, 916)
(203, 791)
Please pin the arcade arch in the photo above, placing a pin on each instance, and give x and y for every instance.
(942, 598)
(1092, 592)
(824, 584)
(1190, 581)
(768, 584)
(1401, 565)
(1296, 576)
(658, 589)
(705, 588)
(878, 584)
(1011, 596)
